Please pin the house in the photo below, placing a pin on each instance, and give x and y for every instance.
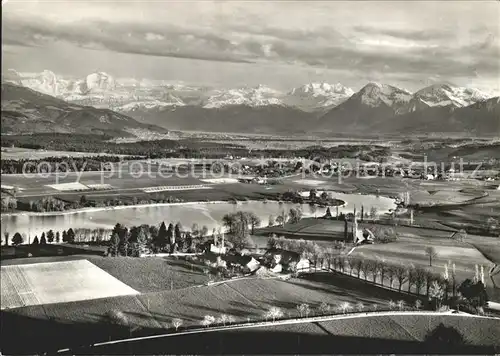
(279, 259)
(247, 262)
(361, 236)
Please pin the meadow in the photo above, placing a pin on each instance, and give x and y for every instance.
(57, 282)
(65, 324)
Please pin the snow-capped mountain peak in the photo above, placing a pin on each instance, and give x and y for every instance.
(98, 81)
(447, 94)
(258, 96)
(318, 95)
(375, 94)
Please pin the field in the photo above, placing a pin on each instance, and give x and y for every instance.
(57, 282)
(79, 322)
(361, 335)
(26, 153)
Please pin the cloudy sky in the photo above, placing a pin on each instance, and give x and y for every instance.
(277, 43)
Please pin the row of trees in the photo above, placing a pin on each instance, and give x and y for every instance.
(60, 164)
(151, 238)
(49, 237)
(48, 204)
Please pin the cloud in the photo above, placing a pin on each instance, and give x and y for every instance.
(123, 38)
(406, 34)
(392, 40)
(152, 36)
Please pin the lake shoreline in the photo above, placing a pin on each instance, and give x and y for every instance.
(340, 203)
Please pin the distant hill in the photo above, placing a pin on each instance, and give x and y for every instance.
(233, 118)
(28, 111)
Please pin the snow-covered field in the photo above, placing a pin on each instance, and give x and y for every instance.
(68, 186)
(220, 180)
(174, 187)
(311, 182)
(57, 282)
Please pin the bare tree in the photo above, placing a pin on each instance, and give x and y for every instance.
(419, 277)
(411, 277)
(431, 253)
(303, 309)
(360, 307)
(401, 274)
(177, 323)
(391, 274)
(359, 266)
(231, 319)
(374, 306)
(366, 267)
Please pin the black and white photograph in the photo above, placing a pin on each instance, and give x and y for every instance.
(250, 177)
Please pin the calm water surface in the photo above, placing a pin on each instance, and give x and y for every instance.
(200, 213)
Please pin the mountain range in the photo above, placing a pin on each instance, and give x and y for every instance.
(27, 111)
(311, 108)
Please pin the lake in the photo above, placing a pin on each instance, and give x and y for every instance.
(209, 214)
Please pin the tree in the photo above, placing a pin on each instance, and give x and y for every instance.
(271, 221)
(303, 309)
(114, 244)
(391, 305)
(374, 213)
(419, 277)
(295, 214)
(43, 240)
(6, 235)
(229, 220)
(346, 307)
(64, 236)
(223, 319)
(162, 239)
(71, 235)
(178, 232)
(313, 194)
(431, 253)
(35, 241)
(324, 308)
(58, 237)
(280, 220)
(436, 293)
(195, 229)
(204, 231)
(208, 320)
(254, 221)
(360, 307)
(401, 274)
(401, 305)
(170, 234)
(418, 304)
(274, 313)
(474, 293)
(50, 236)
(177, 323)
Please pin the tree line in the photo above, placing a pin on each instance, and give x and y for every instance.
(52, 204)
(56, 164)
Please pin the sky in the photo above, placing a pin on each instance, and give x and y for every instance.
(282, 44)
